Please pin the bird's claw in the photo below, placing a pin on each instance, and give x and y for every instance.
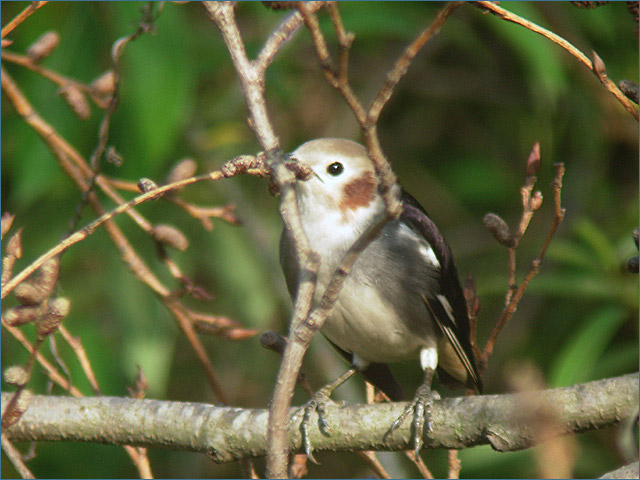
(317, 404)
(420, 407)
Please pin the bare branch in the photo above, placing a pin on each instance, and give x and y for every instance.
(514, 299)
(228, 434)
(21, 17)
(404, 62)
(599, 72)
(13, 454)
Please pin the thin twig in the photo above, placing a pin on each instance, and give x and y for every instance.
(15, 457)
(282, 34)
(374, 464)
(404, 62)
(249, 72)
(510, 309)
(78, 171)
(251, 76)
(81, 355)
(417, 460)
(91, 228)
(55, 77)
(52, 372)
(631, 107)
(144, 26)
(454, 464)
(21, 17)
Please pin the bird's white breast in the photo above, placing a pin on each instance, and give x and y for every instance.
(364, 321)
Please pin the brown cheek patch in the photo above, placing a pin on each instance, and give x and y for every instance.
(358, 192)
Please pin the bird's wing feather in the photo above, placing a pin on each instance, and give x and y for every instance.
(450, 311)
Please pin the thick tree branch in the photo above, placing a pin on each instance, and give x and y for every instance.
(228, 434)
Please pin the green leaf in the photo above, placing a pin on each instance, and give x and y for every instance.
(594, 237)
(576, 361)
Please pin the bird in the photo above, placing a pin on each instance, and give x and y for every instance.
(402, 300)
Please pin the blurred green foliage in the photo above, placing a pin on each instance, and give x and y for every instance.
(458, 131)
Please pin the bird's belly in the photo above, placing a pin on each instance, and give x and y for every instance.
(363, 323)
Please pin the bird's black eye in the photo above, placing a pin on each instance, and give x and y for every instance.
(335, 169)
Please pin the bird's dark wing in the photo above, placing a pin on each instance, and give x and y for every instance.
(449, 309)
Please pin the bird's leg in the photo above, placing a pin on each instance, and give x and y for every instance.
(422, 401)
(317, 403)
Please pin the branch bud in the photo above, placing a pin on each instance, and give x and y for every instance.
(50, 321)
(536, 200)
(533, 162)
(49, 272)
(14, 247)
(16, 408)
(146, 185)
(7, 221)
(598, 67)
(43, 46)
(185, 168)
(499, 229)
(170, 236)
(76, 100)
(28, 294)
(104, 85)
(16, 376)
(280, 5)
(21, 315)
(113, 157)
(118, 48)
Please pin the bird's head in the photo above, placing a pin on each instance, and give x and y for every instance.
(344, 185)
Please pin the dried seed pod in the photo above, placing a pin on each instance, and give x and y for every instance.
(76, 100)
(104, 85)
(170, 236)
(185, 168)
(21, 315)
(632, 265)
(43, 46)
(499, 229)
(29, 294)
(533, 162)
(16, 376)
(146, 185)
(48, 323)
(635, 236)
(16, 408)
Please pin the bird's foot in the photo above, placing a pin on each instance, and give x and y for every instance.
(420, 407)
(318, 403)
